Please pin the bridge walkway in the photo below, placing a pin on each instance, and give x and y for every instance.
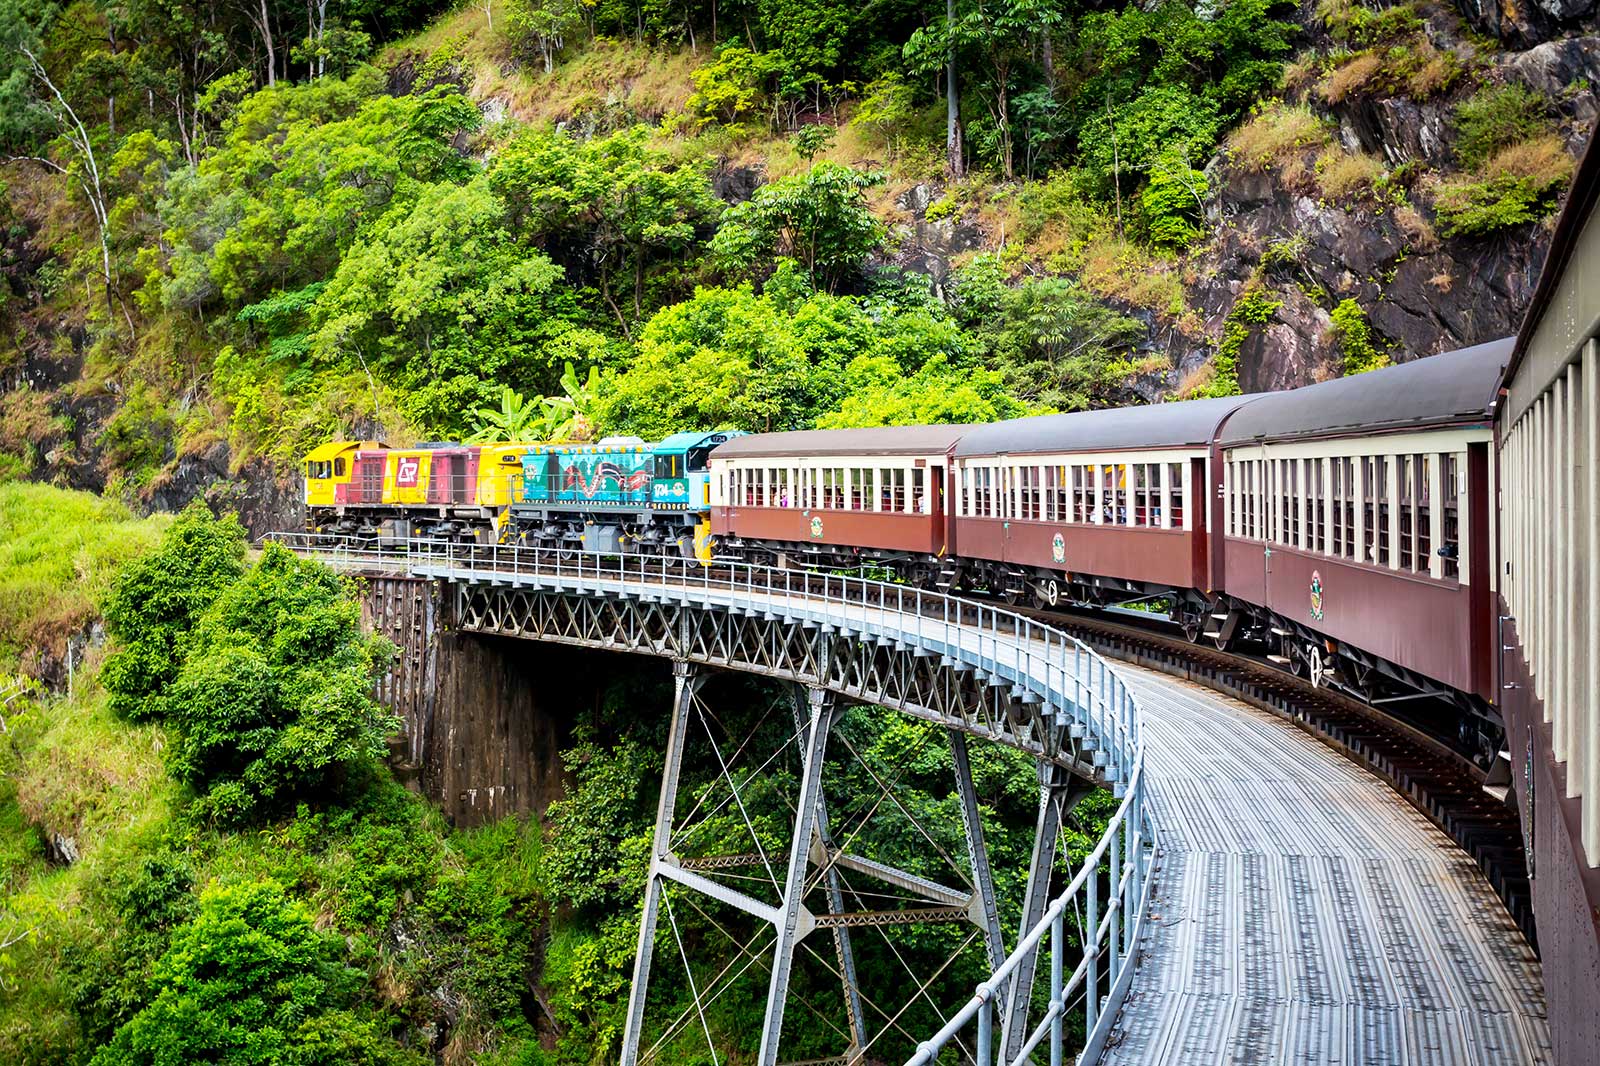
(1302, 913)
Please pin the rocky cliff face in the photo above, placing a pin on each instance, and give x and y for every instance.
(1422, 293)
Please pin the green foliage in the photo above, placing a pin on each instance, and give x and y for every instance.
(1520, 184)
(250, 979)
(629, 209)
(887, 109)
(263, 674)
(1353, 333)
(878, 392)
(1496, 117)
(1056, 344)
(541, 27)
(61, 553)
(1359, 26)
(273, 701)
(159, 598)
(735, 86)
(733, 358)
(820, 218)
(1251, 310)
(446, 302)
(1172, 204)
(302, 172)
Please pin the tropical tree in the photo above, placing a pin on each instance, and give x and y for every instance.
(516, 419)
(820, 218)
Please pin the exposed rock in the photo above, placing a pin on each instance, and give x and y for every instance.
(1396, 129)
(1520, 25)
(1554, 66)
(1289, 351)
(735, 185)
(61, 849)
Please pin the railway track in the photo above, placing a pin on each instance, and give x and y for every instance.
(1437, 781)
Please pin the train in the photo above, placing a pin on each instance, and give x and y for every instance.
(1344, 529)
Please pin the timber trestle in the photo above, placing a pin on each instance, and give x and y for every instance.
(738, 845)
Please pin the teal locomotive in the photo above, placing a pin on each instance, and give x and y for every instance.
(620, 495)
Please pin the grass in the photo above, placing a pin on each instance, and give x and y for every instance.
(1352, 77)
(76, 771)
(1347, 175)
(614, 82)
(1418, 230)
(59, 552)
(1276, 134)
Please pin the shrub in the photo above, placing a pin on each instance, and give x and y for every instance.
(1276, 132)
(158, 599)
(1171, 207)
(1344, 174)
(820, 218)
(1355, 75)
(1356, 24)
(274, 700)
(1252, 309)
(1353, 334)
(1519, 184)
(250, 979)
(734, 86)
(1496, 118)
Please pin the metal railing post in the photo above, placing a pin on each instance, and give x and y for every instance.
(1091, 952)
(1058, 1004)
(1114, 903)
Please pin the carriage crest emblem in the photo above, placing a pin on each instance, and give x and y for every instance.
(1058, 548)
(1316, 595)
(816, 525)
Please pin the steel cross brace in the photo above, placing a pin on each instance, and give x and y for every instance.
(684, 683)
(819, 706)
(985, 912)
(801, 700)
(1057, 797)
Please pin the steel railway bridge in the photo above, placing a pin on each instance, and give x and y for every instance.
(1280, 904)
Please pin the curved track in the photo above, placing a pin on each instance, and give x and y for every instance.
(1434, 778)
(1301, 915)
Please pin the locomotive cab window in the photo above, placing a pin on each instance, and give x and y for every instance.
(668, 466)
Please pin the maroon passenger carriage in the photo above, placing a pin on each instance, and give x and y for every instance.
(1093, 507)
(1357, 527)
(837, 497)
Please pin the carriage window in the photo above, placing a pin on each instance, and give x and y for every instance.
(1408, 506)
(1450, 549)
(1378, 510)
(1422, 523)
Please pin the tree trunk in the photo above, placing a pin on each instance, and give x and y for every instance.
(1003, 121)
(954, 158)
(266, 36)
(1116, 163)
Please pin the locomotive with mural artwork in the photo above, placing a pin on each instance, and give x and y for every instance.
(621, 494)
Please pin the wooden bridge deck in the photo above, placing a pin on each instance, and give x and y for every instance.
(1304, 913)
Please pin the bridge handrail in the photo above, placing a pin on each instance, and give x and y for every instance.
(1128, 843)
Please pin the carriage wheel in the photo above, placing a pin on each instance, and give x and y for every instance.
(1319, 667)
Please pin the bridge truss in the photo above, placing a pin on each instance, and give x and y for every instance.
(970, 669)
